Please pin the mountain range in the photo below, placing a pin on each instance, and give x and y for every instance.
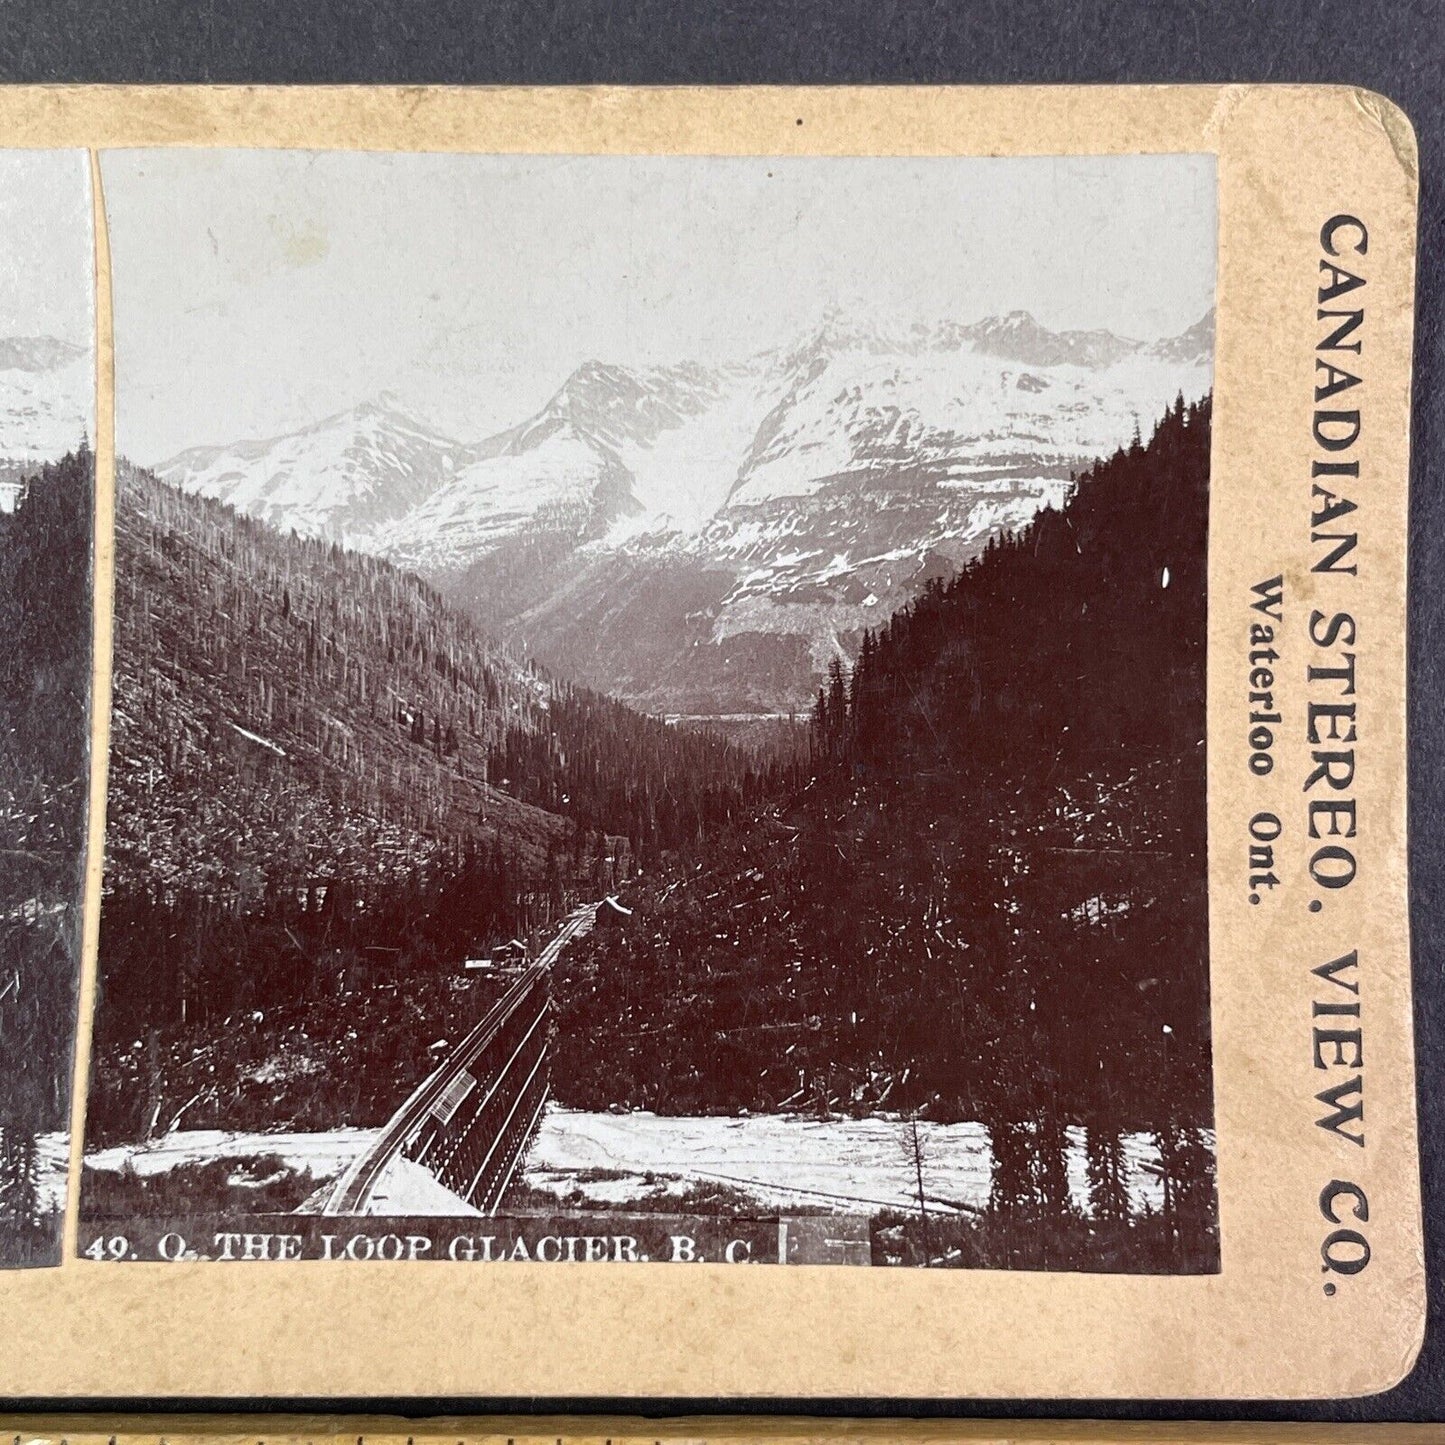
(47, 399)
(702, 539)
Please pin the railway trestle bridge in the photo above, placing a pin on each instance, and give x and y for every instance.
(468, 1123)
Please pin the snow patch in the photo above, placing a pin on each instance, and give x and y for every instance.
(837, 1165)
(406, 1187)
(792, 1161)
(324, 1155)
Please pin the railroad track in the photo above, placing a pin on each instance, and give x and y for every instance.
(430, 1125)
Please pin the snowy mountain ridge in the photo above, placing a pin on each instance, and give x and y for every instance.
(47, 399)
(341, 477)
(707, 537)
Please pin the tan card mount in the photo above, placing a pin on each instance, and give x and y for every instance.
(698, 679)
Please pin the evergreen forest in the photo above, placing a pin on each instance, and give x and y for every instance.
(976, 890)
(45, 620)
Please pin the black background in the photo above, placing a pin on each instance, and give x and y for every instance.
(1397, 49)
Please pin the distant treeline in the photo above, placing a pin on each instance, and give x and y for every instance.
(664, 788)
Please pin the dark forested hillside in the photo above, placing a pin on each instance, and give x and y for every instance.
(286, 710)
(45, 610)
(324, 778)
(990, 901)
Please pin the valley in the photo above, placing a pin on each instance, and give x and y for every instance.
(705, 539)
(813, 676)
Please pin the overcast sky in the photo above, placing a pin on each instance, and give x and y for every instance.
(258, 291)
(46, 262)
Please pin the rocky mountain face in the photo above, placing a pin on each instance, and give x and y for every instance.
(342, 479)
(47, 400)
(704, 539)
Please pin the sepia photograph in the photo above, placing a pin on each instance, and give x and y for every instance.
(658, 710)
(47, 484)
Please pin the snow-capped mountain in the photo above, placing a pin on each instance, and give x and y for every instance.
(1193, 347)
(655, 449)
(704, 539)
(47, 399)
(344, 478)
(546, 472)
(1018, 337)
